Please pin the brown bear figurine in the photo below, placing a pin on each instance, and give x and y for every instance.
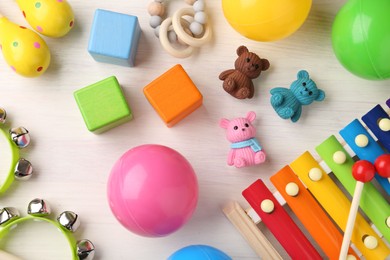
(238, 82)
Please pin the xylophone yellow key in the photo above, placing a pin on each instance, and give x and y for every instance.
(337, 205)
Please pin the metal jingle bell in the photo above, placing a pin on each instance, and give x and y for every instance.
(85, 249)
(69, 220)
(23, 170)
(20, 136)
(8, 214)
(38, 207)
(3, 115)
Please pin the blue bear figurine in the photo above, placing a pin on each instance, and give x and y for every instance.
(288, 102)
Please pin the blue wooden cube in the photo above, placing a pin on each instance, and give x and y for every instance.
(114, 38)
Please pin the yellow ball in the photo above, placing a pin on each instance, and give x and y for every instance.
(266, 20)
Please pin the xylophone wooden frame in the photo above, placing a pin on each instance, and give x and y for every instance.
(246, 221)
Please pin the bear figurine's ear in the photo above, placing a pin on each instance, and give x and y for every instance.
(265, 64)
(242, 49)
(321, 95)
(251, 116)
(224, 123)
(303, 74)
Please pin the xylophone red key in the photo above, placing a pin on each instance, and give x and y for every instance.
(279, 222)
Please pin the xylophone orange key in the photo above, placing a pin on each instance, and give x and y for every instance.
(309, 212)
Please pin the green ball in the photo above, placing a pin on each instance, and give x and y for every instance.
(361, 38)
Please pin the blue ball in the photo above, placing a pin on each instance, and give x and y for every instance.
(199, 252)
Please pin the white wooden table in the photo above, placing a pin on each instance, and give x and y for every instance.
(72, 165)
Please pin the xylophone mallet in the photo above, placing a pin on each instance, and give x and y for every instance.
(363, 171)
(382, 165)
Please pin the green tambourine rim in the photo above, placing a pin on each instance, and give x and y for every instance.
(4, 230)
(14, 150)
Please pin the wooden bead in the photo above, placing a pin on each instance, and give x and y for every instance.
(198, 6)
(157, 31)
(172, 36)
(196, 28)
(156, 8)
(181, 34)
(200, 17)
(155, 21)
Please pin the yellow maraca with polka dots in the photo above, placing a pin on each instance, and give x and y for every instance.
(52, 18)
(23, 49)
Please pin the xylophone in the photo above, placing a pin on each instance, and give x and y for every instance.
(319, 203)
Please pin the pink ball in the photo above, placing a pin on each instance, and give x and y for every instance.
(152, 190)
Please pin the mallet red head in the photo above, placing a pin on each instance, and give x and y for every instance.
(363, 171)
(382, 165)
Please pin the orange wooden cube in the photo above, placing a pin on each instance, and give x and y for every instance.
(173, 95)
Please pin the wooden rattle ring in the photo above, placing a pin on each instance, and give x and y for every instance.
(163, 35)
(185, 37)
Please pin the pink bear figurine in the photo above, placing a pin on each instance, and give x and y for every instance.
(245, 149)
